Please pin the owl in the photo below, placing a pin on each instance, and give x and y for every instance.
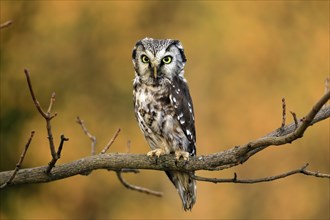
(163, 107)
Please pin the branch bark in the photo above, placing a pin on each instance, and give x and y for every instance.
(216, 161)
(48, 117)
(137, 188)
(6, 24)
(301, 170)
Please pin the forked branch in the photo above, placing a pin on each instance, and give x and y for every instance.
(58, 154)
(119, 172)
(89, 135)
(216, 161)
(301, 170)
(48, 117)
(110, 142)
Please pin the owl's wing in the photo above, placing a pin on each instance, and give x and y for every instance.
(184, 111)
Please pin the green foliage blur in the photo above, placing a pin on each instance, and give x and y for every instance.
(243, 57)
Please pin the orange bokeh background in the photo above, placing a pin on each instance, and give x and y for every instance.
(243, 57)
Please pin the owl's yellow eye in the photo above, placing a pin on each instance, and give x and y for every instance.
(167, 59)
(144, 59)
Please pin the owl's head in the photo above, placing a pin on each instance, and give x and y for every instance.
(155, 59)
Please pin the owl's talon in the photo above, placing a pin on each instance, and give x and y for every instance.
(182, 154)
(157, 152)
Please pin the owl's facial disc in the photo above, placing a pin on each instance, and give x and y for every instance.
(152, 62)
(155, 64)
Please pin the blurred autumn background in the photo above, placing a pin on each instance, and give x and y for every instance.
(243, 57)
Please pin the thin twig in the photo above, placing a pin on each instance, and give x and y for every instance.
(294, 118)
(92, 137)
(19, 164)
(310, 116)
(49, 127)
(35, 101)
(301, 170)
(137, 188)
(283, 114)
(215, 161)
(110, 142)
(50, 136)
(315, 173)
(5, 24)
(58, 154)
(52, 100)
(47, 116)
(59, 150)
(255, 146)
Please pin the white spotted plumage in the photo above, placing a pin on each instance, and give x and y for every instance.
(163, 107)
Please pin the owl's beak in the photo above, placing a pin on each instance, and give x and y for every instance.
(155, 71)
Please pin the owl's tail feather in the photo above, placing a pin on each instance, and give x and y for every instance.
(186, 187)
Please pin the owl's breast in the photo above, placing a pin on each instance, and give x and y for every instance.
(152, 111)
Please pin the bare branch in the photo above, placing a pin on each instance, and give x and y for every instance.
(35, 101)
(58, 154)
(49, 131)
(63, 138)
(316, 174)
(276, 138)
(46, 115)
(110, 142)
(5, 24)
(283, 113)
(19, 164)
(52, 100)
(137, 188)
(294, 119)
(118, 161)
(216, 161)
(92, 137)
(301, 170)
